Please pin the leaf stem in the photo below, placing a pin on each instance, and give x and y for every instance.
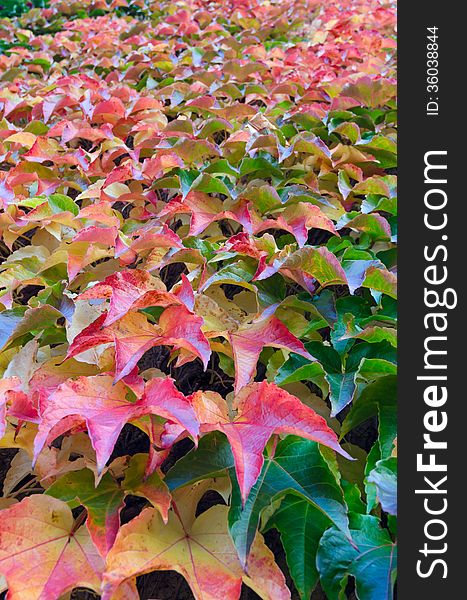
(23, 488)
(79, 521)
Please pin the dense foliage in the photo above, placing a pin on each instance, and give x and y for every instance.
(198, 324)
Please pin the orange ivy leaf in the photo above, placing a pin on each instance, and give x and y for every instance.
(39, 533)
(200, 549)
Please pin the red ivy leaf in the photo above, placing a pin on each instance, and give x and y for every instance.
(248, 342)
(103, 407)
(134, 289)
(133, 335)
(297, 220)
(265, 409)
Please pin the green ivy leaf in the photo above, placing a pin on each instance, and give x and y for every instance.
(384, 476)
(377, 399)
(61, 203)
(301, 526)
(371, 560)
(297, 466)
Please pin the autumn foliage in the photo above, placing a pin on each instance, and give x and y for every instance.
(197, 293)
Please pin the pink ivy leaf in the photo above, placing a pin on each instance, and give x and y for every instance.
(298, 219)
(248, 342)
(133, 335)
(133, 289)
(265, 409)
(104, 409)
(7, 385)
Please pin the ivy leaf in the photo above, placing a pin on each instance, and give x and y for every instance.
(377, 399)
(374, 225)
(318, 263)
(104, 501)
(200, 549)
(103, 504)
(133, 335)
(374, 335)
(248, 341)
(104, 409)
(39, 532)
(210, 459)
(151, 237)
(18, 322)
(343, 183)
(131, 290)
(313, 482)
(343, 385)
(372, 562)
(210, 409)
(355, 271)
(240, 273)
(381, 281)
(60, 203)
(297, 466)
(296, 369)
(301, 526)
(298, 219)
(9, 387)
(205, 209)
(384, 476)
(264, 409)
(137, 483)
(341, 374)
(374, 455)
